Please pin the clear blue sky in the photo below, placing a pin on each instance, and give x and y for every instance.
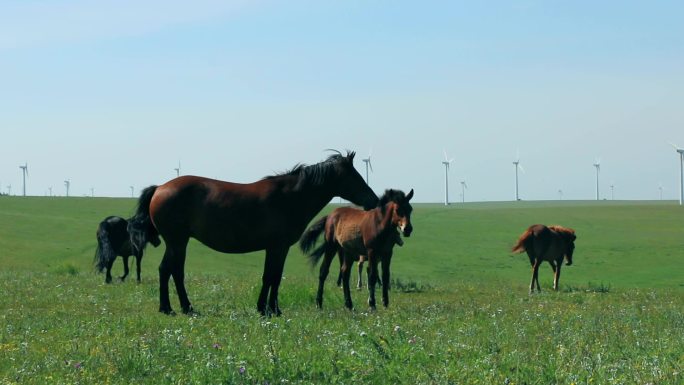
(111, 94)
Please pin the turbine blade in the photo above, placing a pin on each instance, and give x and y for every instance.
(521, 168)
(446, 158)
(370, 164)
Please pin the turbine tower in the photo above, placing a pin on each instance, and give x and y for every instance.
(661, 191)
(24, 171)
(368, 163)
(131, 191)
(446, 164)
(67, 184)
(560, 194)
(178, 169)
(517, 165)
(598, 168)
(464, 186)
(681, 173)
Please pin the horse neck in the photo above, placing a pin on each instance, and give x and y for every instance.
(384, 223)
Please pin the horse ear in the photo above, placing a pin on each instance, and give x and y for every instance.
(409, 196)
(351, 155)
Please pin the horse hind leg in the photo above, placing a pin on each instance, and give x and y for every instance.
(125, 264)
(359, 283)
(173, 265)
(273, 274)
(323, 274)
(535, 276)
(138, 261)
(108, 274)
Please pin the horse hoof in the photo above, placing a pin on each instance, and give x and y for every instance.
(167, 311)
(188, 310)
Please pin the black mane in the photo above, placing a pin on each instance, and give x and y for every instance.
(391, 195)
(315, 174)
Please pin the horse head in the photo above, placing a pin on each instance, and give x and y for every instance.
(398, 204)
(350, 184)
(569, 237)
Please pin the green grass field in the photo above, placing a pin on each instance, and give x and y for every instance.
(459, 313)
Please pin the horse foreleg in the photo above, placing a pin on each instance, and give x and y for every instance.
(386, 278)
(372, 279)
(125, 264)
(556, 275)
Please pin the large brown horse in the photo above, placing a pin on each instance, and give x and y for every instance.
(352, 232)
(269, 214)
(550, 244)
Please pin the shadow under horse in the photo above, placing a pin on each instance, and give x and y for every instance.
(269, 214)
(551, 244)
(352, 232)
(114, 239)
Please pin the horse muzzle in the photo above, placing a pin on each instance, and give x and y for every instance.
(406, 230)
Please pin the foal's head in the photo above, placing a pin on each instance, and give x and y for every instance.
(398, 203)
(569, 237)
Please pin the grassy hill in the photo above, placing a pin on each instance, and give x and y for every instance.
(468, 318)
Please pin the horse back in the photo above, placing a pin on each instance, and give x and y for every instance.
(115, 229)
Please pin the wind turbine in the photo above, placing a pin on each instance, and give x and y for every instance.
(661, 191)
(560, 194)
(446, 164)
(517, 165)
(131, 191)
(67, 184)
(464, 186)
(681, 173)
(368, 163)
(92, 192)
(24, 171)
(178, 169)
(50, 188)
(598, 168)
(612, 192)
(9, 189)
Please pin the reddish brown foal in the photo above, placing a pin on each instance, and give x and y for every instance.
(550, 244)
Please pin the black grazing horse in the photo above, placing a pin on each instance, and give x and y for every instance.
(113, 239)
(269, 214)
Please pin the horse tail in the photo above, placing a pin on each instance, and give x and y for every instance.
(104, 253)
(140, 226)
(309, 238)
(524, 241)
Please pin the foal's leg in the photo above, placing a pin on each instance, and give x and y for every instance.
(323, 274)
(346, 274)
(535, 276)
(372, 279)
(556, 275)
(386, 278)
(362, 259)
(339, 276)
(125, 263)
(273, 274)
